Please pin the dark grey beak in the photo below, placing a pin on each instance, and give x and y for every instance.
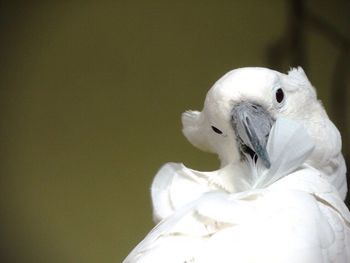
(252, 124)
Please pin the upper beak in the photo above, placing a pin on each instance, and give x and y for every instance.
(252, 124)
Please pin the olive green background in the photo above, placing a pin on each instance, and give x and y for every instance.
(91, 97)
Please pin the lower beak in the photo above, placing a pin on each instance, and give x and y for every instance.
(252, 124)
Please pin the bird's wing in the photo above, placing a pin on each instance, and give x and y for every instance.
(265, 225)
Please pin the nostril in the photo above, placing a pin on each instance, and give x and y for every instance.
(255, 107)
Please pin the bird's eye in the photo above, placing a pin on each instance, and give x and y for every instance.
(216, 130)
(279, 95)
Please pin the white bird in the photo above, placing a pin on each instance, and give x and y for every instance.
(278, 196)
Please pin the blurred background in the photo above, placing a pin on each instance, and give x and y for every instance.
(91, 96)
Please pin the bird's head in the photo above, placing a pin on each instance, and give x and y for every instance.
(241, 107)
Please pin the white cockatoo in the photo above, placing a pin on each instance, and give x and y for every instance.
(278, 196)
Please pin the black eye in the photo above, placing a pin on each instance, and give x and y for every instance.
(279, 95)
(216, 130)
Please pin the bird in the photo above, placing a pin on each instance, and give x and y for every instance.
(279, 193)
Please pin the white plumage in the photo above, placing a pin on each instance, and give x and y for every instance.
(248, 211)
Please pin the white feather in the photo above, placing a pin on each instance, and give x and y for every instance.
(288, 146)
